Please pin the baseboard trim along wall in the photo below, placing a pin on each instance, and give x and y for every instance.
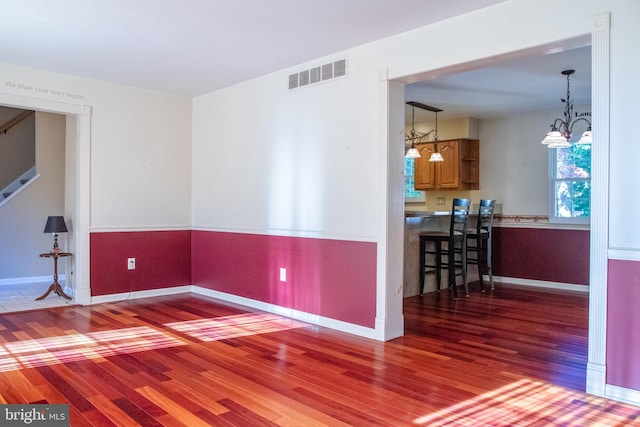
(288, 312)
(622, 394)
(540, 283)
(123, 296)
(246, 302)
(33, 279)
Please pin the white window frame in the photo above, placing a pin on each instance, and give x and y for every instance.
(552, 194)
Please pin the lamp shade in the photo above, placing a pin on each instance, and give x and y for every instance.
(55, 224)
(559, 143)
(436, 157)
(586, 137)
(412, 153)
(554, 137)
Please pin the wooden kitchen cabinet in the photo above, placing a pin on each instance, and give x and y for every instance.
(459, 170)
(424, 172)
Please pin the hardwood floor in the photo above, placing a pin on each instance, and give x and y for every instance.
(509, 358)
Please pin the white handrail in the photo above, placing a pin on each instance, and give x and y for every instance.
(17, 186)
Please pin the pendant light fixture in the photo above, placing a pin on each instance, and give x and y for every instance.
(414, 137)
(561, 129)
(436, 156)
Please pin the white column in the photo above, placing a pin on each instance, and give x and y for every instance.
(596, 363)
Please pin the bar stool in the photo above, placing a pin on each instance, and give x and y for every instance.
(455, 250)
(479, 253)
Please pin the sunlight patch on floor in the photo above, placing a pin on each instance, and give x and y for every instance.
(235, 326)
(529, 402)
(75, 347)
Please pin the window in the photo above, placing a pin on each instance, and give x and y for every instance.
(570, 184)
(410, 194)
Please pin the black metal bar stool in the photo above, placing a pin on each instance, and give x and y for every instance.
(455, 249)
(479, 252)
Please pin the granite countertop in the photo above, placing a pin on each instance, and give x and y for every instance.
(426, 214)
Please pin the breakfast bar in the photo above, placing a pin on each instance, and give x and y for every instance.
(415, 223)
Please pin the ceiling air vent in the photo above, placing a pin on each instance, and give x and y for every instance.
(318, 74)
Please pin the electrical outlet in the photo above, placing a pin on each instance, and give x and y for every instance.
(283, 274)
(131, 263)
(439, 200)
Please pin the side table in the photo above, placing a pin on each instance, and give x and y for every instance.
(55, 286)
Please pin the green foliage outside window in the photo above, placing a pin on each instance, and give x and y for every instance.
(572, 181)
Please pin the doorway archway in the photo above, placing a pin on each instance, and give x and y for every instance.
(597, 29)
(77, 189)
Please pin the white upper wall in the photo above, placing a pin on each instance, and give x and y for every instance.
(514, 164)
(140, 146)
(624, 228)
(266, 159)
(269, 159)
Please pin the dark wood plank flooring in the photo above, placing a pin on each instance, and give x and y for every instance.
(514, 357)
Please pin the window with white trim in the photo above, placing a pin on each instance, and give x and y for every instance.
(570, 184)
(410, 193)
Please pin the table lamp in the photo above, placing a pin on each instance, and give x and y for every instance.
(55, 225)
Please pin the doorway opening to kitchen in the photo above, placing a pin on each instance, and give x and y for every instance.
(598, 42)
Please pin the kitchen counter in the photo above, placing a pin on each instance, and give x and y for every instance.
(415, 223)
(425, 214)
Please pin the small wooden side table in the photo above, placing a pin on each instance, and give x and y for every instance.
(55, 286)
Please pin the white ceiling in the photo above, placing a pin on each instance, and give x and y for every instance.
(191, 47)
(531, 82)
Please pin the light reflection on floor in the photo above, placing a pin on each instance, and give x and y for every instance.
(240, 325)
(75, 347)
(529, 402)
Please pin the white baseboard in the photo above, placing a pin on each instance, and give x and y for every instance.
(83, 296)
(622, 394)
(288, 312)
(540, 283)
(32, 279)
(596, 379)
(140, 294)
(235, 299)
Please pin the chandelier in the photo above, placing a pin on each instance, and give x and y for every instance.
(561, 129)
(414, 137)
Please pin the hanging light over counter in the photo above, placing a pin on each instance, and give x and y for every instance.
(414, 137)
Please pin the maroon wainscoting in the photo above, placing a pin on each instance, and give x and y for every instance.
(163, 260)
(541, 254)
(330, 278)
(623, 324)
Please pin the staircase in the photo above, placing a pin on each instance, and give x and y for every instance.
(8, 141)
(13, 189)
